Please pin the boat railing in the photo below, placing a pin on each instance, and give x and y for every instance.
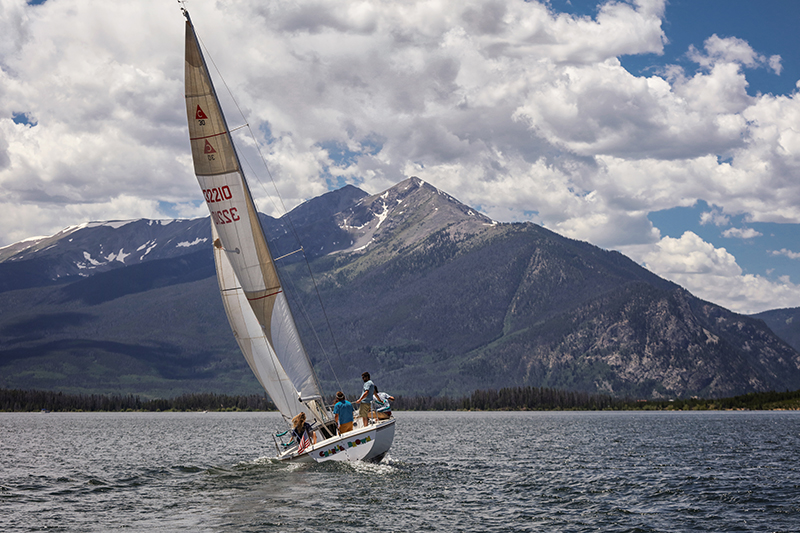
(280, 444)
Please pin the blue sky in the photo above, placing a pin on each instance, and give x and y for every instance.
(667, 130)
(769, 26)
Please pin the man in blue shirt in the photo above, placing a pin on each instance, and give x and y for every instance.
(366, 398)
(343, 413)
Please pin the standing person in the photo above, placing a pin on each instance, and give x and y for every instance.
(366, 399)
(343, 413)
(384, 410)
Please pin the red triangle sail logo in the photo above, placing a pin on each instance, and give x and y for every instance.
(200, 115)
(209, 149)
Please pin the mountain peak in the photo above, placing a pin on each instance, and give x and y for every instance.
(410, 210)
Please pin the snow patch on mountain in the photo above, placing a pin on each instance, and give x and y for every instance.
(362, 247)
(186, 244)
(147, 247)
(89, 263)
(383, 215)
(31, 240)
(120, 256)
(114, 224)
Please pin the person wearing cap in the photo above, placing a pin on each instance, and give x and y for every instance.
(343, 413)
(367, 398)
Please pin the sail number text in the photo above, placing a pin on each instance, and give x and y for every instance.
(217, 194)
(226, 216)
(220, 194)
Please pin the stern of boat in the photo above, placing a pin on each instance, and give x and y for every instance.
(370, 444)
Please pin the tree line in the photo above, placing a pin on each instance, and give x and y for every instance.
(505, 399)
(510, 398)
(14, 400)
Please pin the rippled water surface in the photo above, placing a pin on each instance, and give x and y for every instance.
(711, 471)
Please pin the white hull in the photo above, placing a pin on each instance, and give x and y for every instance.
(368, 444)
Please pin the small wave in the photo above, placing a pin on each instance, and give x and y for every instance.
(264, 460)
(187, 469)
(385, 467)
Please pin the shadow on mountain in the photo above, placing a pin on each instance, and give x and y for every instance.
(16, 275)
(167, 360)
(143, 277)
(46, 324)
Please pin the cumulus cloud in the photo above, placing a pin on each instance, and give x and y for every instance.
(732, 50)
(787, 253)
(716, 217)
(691, 255)
(713, 274)
(512, 107)
(741, 233)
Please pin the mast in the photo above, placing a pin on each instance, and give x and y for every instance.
(245, 267)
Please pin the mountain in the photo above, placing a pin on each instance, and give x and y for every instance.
(785, 323)
(88, 249)
(427, 294)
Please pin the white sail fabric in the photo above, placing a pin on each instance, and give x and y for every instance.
(257, 351)
(266, 332)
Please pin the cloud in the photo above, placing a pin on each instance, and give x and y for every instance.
(742, 233)
(716, 217)
(103, 120)
(732, 50)
(691, 255)
(511, 106)
(713, 274)
(788, 253)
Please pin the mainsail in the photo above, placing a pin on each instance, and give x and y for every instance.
(251, 288)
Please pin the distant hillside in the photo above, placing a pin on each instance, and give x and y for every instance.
(430, 296)
(88, 249)
(785, 323)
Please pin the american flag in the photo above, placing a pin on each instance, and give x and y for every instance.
(305, 442)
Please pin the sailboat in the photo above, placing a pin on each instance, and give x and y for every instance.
(252, 292)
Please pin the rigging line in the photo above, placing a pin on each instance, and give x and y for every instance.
(286, 213)
(287, 255)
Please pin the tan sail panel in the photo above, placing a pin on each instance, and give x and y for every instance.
(211, 144)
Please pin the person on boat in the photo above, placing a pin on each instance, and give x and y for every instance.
(343, 413)
(384, 410)
(300, 426)
(367, 399)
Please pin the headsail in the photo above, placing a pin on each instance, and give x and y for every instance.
(254, 300)
(257, 351)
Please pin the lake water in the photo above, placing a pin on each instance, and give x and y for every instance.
(636, 471)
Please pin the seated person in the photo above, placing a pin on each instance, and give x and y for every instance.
(384, 409)
(300, 426)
